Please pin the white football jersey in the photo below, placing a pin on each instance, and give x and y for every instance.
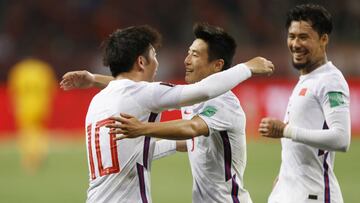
(120, 170)
(218, 161)
(306, 173)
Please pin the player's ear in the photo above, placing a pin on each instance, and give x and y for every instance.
(218, 65)
(324, 40)
(141, 62)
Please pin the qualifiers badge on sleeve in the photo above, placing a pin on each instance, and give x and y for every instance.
(336, 99)
(209, 111)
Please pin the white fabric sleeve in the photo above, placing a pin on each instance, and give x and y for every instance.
(164, 148)
(165, 97)
(214, 85)
(337, 137)
(216, 115)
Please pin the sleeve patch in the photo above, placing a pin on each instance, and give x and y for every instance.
(209, 111)
(336, 99)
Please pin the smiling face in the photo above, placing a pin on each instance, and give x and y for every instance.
(306, 46)
(197, 65)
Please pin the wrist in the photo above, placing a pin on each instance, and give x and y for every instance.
(245, 68)
(288, 132)
(145, 129)
(92, 79)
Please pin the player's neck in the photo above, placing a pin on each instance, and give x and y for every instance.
(313, 66)
(134, 76)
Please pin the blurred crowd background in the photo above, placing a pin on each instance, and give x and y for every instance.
(67, 34)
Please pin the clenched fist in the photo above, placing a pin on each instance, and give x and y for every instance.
(260, 66)
(271, 127)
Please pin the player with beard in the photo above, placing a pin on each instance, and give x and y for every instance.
(317, 121)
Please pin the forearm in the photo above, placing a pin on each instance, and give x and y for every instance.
(336, 138)
(214, 85)
(174, 130)
(101, 81)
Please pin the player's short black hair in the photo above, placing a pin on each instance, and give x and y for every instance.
(123, 46)
(220, 44)
(318, 16)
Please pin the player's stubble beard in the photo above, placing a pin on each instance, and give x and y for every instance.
(300, 66)
(305, 65)
(308, 64)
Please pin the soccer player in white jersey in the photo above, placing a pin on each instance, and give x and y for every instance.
(215, 129)
(317, 121)
(120, 170)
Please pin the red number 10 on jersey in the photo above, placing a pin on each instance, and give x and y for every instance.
(115, 168)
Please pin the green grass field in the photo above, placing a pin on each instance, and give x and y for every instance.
(64, 176)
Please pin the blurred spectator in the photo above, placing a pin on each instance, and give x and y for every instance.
(31, 87)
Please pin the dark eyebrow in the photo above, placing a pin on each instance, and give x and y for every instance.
(193, 50)
(303, 34)
(300, 34)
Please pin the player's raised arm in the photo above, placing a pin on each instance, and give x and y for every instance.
(84, 79)
(221, 82)
(211, 86)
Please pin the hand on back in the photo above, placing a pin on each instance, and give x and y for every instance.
(125, 126)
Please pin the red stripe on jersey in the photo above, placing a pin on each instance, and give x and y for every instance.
(91, 160)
